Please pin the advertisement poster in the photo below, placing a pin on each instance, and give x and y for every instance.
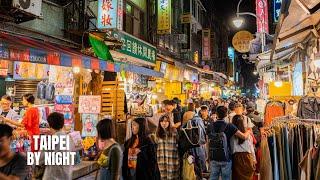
(241, 41)
(30, 71)
(63, 79)
(90, 104)
(89, 123)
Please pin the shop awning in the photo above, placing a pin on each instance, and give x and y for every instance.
(20, 48)
(137, 69)
(299, 21)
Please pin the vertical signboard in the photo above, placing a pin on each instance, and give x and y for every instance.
(109, 14)
(206, 44)
(276, 10)
(186, 29)
(262, 16)
(164, 17)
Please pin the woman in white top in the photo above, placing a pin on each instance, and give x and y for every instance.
(244, 159)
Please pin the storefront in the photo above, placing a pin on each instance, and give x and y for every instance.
(60, 79)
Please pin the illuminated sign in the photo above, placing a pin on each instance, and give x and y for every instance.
(164, 17)
(262, 16)
(110, 14)
(241, 41)
(276, 10)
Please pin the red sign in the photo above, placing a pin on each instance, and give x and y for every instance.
(20, 54)
(206, 44)
(262, 16)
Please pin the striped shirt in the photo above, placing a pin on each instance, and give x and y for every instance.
(168, 158)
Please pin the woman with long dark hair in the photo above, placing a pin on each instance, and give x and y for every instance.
(244, 159)
(167, 149)
(140, 158)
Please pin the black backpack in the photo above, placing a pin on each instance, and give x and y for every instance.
(218, 144)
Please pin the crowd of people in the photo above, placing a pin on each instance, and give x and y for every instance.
(202, 140)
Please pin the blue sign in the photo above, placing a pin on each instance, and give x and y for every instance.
(231, 53)
(107, 14)
(276, 10)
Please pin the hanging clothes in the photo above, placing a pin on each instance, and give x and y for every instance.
(309, 108)
(265, 163)
(273, 109)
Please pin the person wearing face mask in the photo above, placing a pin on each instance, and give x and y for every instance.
(167, 149)
(13, 166)
(30, 120)
(5, 109)
(140, 154)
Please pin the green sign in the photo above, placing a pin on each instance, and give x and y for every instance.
(135, 47)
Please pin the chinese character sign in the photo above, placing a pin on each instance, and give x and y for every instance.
(164, 16)
(276, 10)
(135, 47)
(241, 41)
(206, 44)
(108, 14)
(262, 16)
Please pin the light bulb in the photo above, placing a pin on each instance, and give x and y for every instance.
(237, 22)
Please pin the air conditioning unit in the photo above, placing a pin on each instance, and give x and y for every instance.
(194, 29)
(182, 38)
(30, 6)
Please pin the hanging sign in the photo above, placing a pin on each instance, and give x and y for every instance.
(135, 47)
(262, 16)
(241, 41)
(90, 104)
(110, 14)
(276, 10)
(164, 17)
(206, 44)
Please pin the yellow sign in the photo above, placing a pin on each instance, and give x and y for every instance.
(196, 57)
(241, 41)
(164, 17)
(280, 89)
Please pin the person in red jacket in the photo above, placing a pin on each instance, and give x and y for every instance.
(30, 121)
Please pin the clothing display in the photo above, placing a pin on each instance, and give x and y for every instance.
(45, 90)
(309, 108)
(273, 109)
(286, 147)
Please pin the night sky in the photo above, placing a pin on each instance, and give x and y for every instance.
(226, 9)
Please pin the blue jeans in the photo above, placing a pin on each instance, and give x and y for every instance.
(223, 169)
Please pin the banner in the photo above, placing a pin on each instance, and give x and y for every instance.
(262, 16)
(164, 17)
(206, 44)
(30, 71)
(109, 14)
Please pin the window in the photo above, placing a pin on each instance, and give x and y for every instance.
(134, 21)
